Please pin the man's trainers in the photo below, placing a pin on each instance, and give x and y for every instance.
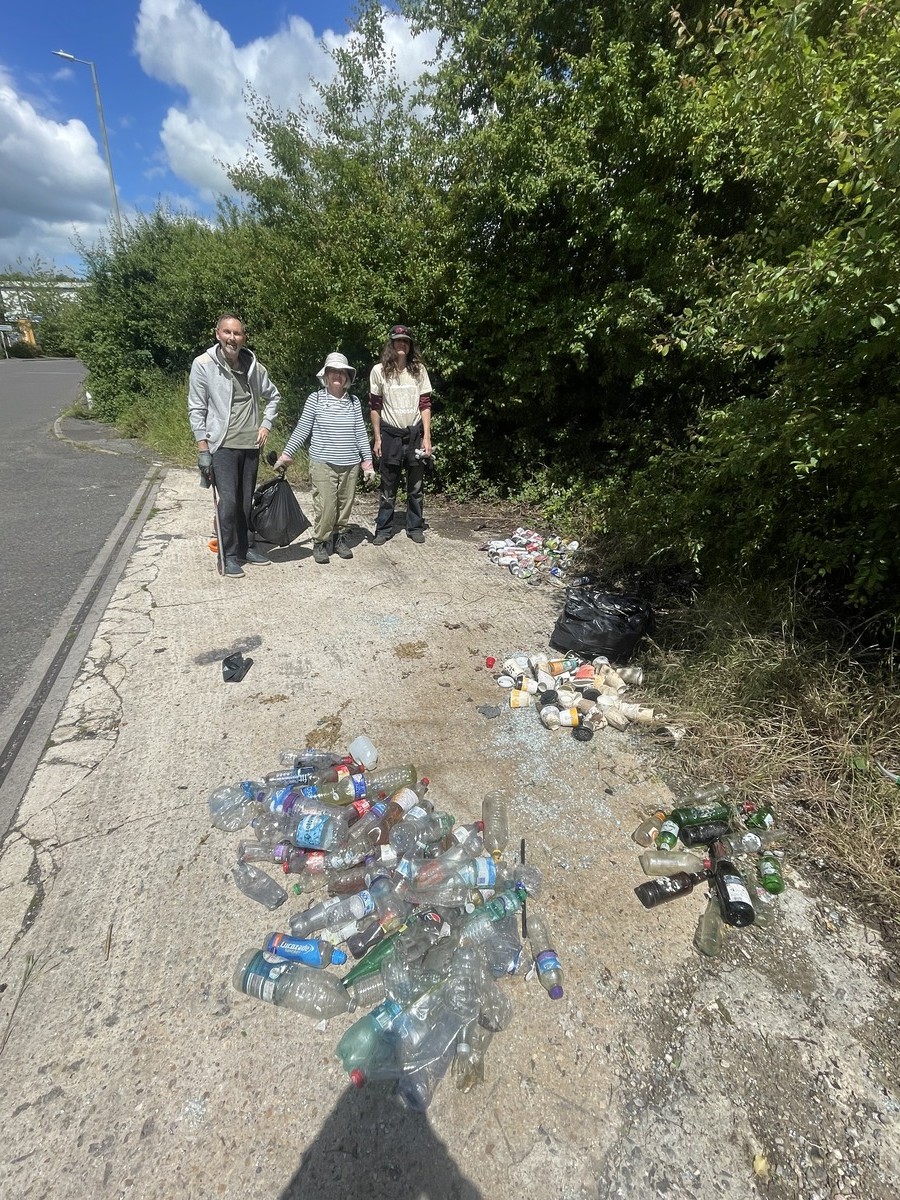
(342, 546)
(257, 559)
(232, 567)
(416, 535)
(380, 538)
(320, 552)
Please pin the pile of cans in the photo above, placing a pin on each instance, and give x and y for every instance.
(533, 558)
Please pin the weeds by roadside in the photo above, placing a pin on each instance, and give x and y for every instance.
(159, 417)
(790, 713)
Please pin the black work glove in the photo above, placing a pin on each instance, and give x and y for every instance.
(204, 466)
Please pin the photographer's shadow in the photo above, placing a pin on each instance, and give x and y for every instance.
(373, 1148)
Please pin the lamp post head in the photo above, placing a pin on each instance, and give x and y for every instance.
(62, 54)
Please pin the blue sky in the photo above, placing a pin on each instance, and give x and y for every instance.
(172, 75)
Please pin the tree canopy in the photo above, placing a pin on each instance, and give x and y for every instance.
(652, 255)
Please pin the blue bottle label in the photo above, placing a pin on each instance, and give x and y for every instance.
(359, 786)
(302, 950)
(279, 799)
(485, 872)
(262, 973)
(311, 792)
(312, 832)
(547, 960)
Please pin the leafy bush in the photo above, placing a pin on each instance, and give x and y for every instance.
(23, 349)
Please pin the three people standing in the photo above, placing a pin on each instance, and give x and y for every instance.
(227, 386)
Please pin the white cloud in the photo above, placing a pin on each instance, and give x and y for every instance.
(53, 181)
(178, 43)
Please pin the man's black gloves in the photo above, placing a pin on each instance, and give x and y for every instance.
(204, 466)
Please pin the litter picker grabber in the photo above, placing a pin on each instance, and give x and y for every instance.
(207, 480)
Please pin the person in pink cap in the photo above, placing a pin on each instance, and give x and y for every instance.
(400, 406)
(332, 423)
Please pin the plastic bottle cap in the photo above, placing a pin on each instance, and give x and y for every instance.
(582, 733)
(490, 662)
(555, 992)
(357, 1078)
(339, 957)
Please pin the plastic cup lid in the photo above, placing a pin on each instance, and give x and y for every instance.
(582, 733)
(506, 681)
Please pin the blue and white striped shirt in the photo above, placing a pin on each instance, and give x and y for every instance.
(334, 429)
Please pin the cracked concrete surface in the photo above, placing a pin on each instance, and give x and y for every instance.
(130, 1067)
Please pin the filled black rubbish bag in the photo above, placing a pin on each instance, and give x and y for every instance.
(275, 514)
(594, 623)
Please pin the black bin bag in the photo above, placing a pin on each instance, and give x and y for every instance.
(594, 623)
(275, 514)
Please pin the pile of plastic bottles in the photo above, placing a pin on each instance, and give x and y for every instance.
(700, 842)
(429, 909)
(531, 557)
(568, 693)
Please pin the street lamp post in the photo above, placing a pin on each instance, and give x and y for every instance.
(112, 183)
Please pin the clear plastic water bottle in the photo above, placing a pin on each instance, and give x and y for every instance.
(314, 993)
(390, 912)
(494, 815)
(424, 1063)
(336, 910)
(310, 758)
(257, 885)
(419, 828)
(399, 804)
(321, 831)
(235, 805)
(546, 960)
(469, 843)
(356, 786)
(478, 927)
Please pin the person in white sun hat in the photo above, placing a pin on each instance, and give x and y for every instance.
(332, 423)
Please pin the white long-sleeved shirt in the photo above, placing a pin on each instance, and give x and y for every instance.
(334, 429)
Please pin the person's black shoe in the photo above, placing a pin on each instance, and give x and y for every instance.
(320, 552)
(380, 538)
(256, 559)
(232, 567)
(416, 535)
(342, 546)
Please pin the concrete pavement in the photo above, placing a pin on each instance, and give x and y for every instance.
(129, 1066)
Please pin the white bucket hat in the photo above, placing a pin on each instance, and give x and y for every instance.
(339, 362)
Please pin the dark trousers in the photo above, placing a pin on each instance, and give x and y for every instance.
(415, 497)
(234, 473)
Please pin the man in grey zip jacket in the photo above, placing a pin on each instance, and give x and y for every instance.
(226, 387)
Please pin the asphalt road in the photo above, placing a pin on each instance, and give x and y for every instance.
(59, 505)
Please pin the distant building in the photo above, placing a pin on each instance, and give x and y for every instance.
(26, 297)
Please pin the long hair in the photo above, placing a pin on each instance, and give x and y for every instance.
(390, 365)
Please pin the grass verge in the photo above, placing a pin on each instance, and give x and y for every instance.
(797, 714)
